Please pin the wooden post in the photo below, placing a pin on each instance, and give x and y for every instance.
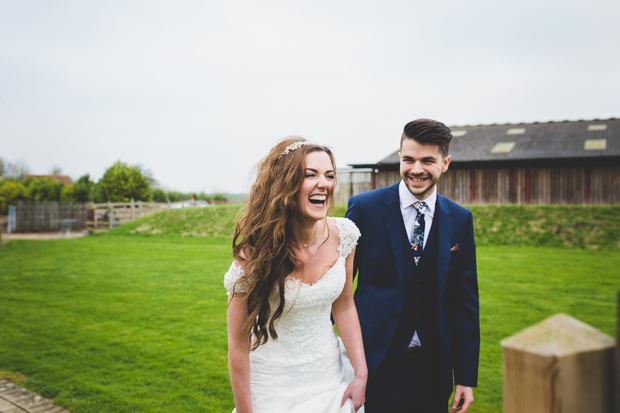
(559, 365)
(133, 209)
(586, 186)
(472, 185)
(527, 186)
(111, 214)
(373, 179)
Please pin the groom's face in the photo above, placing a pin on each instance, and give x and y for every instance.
(421, 167)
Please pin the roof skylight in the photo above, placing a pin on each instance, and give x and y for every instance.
(456, 133)
(515, 131)
(595, 144)
(600, 126)
(503, 147)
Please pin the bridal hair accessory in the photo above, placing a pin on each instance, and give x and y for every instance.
(294, 146)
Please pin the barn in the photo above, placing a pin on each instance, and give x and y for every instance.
(568, 162)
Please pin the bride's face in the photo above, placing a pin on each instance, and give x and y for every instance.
(312, 197)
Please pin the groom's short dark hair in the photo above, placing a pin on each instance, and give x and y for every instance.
(428, 132)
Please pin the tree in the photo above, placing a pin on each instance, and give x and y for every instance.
(99, 193)
(122, 182)
(79, 191)
(15, 170)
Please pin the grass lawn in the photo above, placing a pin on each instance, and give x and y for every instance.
(128, 323)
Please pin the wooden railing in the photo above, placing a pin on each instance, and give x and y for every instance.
(117, 213)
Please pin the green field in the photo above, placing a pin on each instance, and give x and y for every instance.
(134, 321)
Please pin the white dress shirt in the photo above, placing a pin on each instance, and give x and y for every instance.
(407, 199)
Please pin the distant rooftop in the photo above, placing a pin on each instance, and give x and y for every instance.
(65, 179)
(529, 141)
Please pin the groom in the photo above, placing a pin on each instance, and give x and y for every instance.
(417, 288)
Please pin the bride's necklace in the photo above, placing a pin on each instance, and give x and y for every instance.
(311, 241)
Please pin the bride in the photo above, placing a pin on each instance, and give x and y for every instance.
(293, 267)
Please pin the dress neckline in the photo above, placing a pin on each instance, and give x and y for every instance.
(331, 267)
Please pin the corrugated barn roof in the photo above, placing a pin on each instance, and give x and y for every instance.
(525, 141)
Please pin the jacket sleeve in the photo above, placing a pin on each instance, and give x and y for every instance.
(354, 214)
(466, 329)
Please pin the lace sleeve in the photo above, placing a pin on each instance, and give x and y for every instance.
(231, 277)
(349, 234)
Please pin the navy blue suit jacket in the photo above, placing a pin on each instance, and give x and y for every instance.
(379, 264)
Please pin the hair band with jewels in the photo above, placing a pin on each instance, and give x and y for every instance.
(294, 146)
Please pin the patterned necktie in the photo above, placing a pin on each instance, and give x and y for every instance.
(417, 238)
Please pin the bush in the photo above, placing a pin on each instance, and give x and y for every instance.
(11, 192)
(159, 195)
(43, 189)
(176, 196)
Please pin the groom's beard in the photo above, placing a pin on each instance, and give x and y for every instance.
(420, 191)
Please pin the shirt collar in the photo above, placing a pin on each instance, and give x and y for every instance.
(407, 198)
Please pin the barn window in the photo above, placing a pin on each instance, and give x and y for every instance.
(597, 127)
(503, 147)
(595, 144)
(515, 131)
(457, 133)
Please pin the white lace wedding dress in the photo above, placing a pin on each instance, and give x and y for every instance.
(306, 369)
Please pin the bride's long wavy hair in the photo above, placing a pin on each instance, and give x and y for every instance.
(263, 230)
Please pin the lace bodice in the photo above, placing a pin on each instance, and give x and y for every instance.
(307, 345)
(348, 234)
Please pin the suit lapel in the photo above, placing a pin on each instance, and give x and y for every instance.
(393, 221)
(444, 235)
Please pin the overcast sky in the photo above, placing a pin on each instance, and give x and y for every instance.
(199, 91)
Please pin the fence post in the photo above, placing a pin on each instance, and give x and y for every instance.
(133, 209)
(111, 214)
(559, 365)
(12, 219)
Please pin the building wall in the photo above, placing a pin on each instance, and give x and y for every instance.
(540, 185)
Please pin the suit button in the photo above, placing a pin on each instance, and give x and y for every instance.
(410, 332)
(395, 313)
(384, 344)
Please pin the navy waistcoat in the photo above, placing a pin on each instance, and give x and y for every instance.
(420, 308)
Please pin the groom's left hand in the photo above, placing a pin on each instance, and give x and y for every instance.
(467, 393)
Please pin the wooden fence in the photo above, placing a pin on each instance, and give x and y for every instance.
(49, 216)
(113, 214)
(352, 182)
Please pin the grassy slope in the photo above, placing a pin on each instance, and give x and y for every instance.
(119, 322)
(578, 226)
(212, 221)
